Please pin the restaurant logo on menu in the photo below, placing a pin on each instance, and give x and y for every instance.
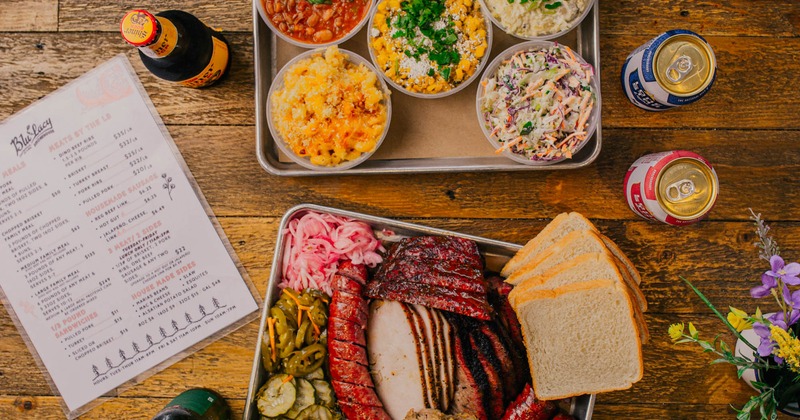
(33, 134)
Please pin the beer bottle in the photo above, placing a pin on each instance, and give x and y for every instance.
(177, 46)
(196, 404)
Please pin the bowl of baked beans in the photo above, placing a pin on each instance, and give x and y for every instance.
(314, 23)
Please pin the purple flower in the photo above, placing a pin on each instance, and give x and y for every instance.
(765, 348)
(767, 284)
(786, 272)
(778, 319)
(791, 299)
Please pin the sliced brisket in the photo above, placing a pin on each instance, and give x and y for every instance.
(438, 297)
(420, 272)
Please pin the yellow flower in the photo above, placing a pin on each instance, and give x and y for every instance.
(676, 331)
(737, 318)
(788, 347)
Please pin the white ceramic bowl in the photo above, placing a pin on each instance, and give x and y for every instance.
(540, 37)
(305, 162)
(592, 122)
(452, 91)
(260, 5)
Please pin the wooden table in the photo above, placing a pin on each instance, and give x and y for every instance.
(747, 126)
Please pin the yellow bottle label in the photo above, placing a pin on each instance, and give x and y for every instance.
(167, 39)
(214, 70)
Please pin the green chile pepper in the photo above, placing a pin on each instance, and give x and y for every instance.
(318, 294)
(306, 360)
(301, 333)
(285, 344)
(307, 299)
(310, 338)
(266, 357)
(288, 307)
(318, 313)
(281, 323)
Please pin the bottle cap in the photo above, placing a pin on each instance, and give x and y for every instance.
(139, 28)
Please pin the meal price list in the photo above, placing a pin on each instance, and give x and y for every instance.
(115, 266)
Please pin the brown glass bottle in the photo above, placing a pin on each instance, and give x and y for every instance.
(176, 46)
(196, 404)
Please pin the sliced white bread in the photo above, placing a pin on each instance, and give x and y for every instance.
(561, 226)
(581, 339)
(612, 246)
(584, 268)
(571, 246)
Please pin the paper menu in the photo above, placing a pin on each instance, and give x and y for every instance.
(111, 265)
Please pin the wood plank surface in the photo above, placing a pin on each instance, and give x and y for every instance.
(747, 126)
(235, 184)
(34, 65)
(40, 63)
(29, 15)
(631, 17)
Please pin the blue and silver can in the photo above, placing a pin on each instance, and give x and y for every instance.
(675, 68)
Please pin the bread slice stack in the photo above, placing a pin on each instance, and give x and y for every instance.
(578, 301)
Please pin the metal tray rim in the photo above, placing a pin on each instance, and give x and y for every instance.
(397, 166)
(588, 400)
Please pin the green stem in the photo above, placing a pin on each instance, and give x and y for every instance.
(781, 302)
(719, 315)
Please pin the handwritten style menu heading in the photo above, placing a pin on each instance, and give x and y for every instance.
(111, 264)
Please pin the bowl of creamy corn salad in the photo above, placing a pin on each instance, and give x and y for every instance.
(328, 109)
(429, 48)
(537, 19)
(538, 103)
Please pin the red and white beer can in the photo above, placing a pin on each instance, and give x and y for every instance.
(676, 187)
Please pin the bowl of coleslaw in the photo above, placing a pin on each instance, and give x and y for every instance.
(537, 19)
(538, 103)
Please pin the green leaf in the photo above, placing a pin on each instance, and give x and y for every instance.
(319, 1)
(754, 401)
(763, 411)
(724, 347)
(553, 6)
(741, 371)
(526, 128)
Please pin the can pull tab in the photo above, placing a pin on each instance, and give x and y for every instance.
(679, 69)
(678, 191)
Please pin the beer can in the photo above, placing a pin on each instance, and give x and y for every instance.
(676, 187)
(675, 68)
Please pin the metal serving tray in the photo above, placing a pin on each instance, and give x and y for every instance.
(496, 253)
(270, 53)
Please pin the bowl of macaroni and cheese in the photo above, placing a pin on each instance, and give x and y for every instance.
(429, 49)
(328, 109)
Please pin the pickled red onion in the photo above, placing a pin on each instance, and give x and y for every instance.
(315, 243)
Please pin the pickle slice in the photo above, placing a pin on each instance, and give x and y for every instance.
(315, 412)
(305, 398)
(277, 396)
